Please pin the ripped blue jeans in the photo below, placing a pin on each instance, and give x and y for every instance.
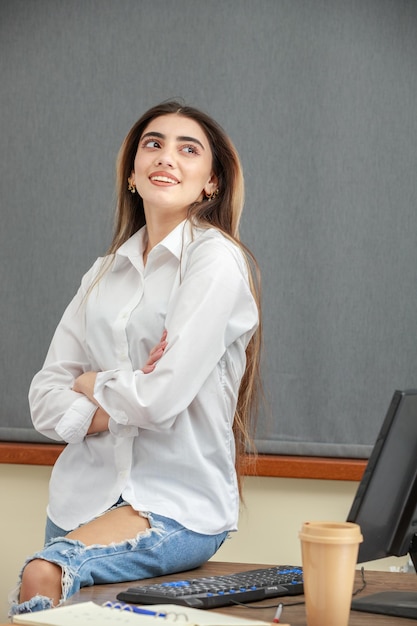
(165, 548)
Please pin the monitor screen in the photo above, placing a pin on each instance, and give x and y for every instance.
(385, 504)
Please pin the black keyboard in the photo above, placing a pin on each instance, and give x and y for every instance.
(215, 591)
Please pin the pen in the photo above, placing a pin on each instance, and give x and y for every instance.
(277, 614)
(133, 609)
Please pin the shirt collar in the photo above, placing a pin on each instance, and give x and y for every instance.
(174, 242)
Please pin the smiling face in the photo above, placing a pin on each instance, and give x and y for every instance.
(173, 166)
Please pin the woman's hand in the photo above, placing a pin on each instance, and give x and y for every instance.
(85, 384)
(155, 354)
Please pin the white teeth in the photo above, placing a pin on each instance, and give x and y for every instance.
(163, 179)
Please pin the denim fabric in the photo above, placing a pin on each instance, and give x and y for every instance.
(52, 531)
(166, 547)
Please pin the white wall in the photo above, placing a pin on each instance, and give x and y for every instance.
(275, 509)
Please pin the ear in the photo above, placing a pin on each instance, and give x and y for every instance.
(211, 186)
(131, 183)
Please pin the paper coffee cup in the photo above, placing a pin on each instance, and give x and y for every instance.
(329, 555)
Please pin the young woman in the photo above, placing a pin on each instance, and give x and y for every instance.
(152, 374)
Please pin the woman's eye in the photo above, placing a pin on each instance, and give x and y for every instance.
(190, 149)
(151, 143)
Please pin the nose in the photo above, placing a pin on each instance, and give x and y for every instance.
(165, 157)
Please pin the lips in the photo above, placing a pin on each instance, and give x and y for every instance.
(163, 178)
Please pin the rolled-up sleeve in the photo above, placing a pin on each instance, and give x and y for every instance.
(57, 411)
(74, 425)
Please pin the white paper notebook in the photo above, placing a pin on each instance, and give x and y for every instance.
(92, 614)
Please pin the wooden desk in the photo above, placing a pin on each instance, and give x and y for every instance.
(295, 615)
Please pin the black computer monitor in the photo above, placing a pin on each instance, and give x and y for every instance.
(385, 505)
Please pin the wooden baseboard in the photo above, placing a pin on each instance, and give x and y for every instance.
(262, 465)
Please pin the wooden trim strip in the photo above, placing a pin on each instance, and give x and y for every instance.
(306, 467)
(263, 465)
(29, 453)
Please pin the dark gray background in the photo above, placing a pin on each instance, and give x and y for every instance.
(319, 97)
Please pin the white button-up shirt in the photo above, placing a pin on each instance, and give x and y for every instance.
(170, 446)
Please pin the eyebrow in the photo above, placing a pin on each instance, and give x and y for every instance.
(180, 138)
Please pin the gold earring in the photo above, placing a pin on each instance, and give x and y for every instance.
(211, 196)
(131, 185)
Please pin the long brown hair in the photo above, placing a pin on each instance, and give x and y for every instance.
(222, 212)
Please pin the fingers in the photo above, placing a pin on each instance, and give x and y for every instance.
(155, 354)
(161, 345)
(158, 350)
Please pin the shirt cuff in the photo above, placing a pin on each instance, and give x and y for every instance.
(119, 430)
(118, 419)
(76, 421)
(102, 379)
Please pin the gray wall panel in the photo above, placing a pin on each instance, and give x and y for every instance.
(319, 97)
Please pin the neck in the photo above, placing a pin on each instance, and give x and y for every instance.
(157, 230)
